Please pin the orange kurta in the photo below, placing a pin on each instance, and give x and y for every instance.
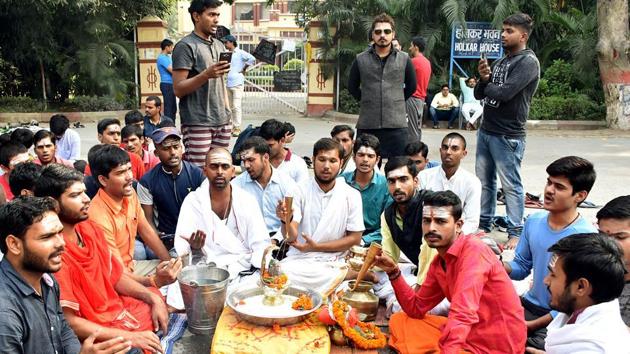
(119, 223)
(87, 282)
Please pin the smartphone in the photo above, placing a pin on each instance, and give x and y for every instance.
(226, 56)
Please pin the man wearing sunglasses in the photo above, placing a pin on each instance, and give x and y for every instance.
(382, 78)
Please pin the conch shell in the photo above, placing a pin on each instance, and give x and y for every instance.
(374, 250)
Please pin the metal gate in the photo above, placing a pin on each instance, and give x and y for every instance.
(262, 95)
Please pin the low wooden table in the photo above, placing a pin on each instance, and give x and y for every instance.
(235, 336)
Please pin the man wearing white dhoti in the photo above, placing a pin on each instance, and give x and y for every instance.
(220, 223)
(586, 277)
(332, 222)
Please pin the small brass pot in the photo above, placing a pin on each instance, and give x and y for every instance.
(363, 300)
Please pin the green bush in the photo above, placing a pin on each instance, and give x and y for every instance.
(347, 103)
(558, 80)
(96, 104)
(20, 104)
(571, 107)
(294, 64)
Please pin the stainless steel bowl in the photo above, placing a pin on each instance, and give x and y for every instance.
(269, 321)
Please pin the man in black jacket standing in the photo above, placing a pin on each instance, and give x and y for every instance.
(382, 78)
(507, 89)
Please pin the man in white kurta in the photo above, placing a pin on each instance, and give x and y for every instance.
(452, 177)
(586, 277)
(332, 222)
(220, 223)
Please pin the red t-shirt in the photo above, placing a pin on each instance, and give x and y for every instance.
(423, 74)
(137, 166)
(4, 182)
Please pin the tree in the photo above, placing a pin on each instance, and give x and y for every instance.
(613, 50)
(84, 47)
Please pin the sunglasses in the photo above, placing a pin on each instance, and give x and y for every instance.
(379, 31)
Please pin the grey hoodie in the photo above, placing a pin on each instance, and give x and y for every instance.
(508, 94)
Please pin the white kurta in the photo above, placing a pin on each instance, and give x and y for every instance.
(464, 184)
(235, 245)
(598, 329)
(325, 217)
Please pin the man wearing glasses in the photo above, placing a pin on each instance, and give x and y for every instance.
(382, 78)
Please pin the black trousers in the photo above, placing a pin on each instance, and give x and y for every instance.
(393, 140)
(170, 104)
(537, 338)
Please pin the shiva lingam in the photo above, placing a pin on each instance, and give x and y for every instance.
(273, 302)
(272, 279)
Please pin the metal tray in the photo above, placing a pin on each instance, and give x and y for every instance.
(251, 314)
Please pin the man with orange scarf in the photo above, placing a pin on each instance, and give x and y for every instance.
(97, 295)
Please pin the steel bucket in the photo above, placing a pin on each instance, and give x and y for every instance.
(203, 290)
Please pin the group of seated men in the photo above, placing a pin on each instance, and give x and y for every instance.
(425, 215)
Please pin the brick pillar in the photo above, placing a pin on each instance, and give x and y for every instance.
(320, 93)
(151, 31)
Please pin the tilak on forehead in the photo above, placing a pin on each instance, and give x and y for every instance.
(219, 156)
(452, 142)
(441, 212)
(553, 260)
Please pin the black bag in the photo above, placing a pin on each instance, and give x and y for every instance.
(244, 135)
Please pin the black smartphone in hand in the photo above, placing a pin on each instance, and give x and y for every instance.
(226, 56)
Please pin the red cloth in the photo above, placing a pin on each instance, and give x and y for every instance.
(422, 65)
(137, 166)
(486, 315)
(87, 282)
(4, 182)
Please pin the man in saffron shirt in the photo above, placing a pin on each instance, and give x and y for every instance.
(95, 291)
(486, 315)
(116, 208)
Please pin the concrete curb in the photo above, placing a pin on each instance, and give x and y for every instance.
(531, 124)
(85, 117)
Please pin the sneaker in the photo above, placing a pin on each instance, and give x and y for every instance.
(435, 126)
(236, 132)
(450, 127)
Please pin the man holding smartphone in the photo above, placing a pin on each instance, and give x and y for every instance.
(240, 60)
(507, 89)
(198, 82)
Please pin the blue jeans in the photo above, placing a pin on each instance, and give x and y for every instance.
(502, 155)
(438, 115)
(142, 252)
(170, 104)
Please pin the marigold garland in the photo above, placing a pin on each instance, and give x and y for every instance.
(363, 335)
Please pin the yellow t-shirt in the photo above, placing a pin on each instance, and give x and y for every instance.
(391, 249)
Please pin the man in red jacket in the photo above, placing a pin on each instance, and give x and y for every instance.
(486, 315)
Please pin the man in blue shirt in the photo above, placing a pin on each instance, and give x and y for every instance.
(165, 68)
(269, 186)
(569, 181)
(236, 80)
(162, 190)
(372, 186)
(153, 117)
(418, 152)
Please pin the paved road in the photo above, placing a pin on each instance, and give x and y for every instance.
(608, 150)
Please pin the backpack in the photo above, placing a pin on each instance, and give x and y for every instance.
(245, 134)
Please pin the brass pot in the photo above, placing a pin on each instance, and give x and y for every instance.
(356, 257)
(363, 300)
